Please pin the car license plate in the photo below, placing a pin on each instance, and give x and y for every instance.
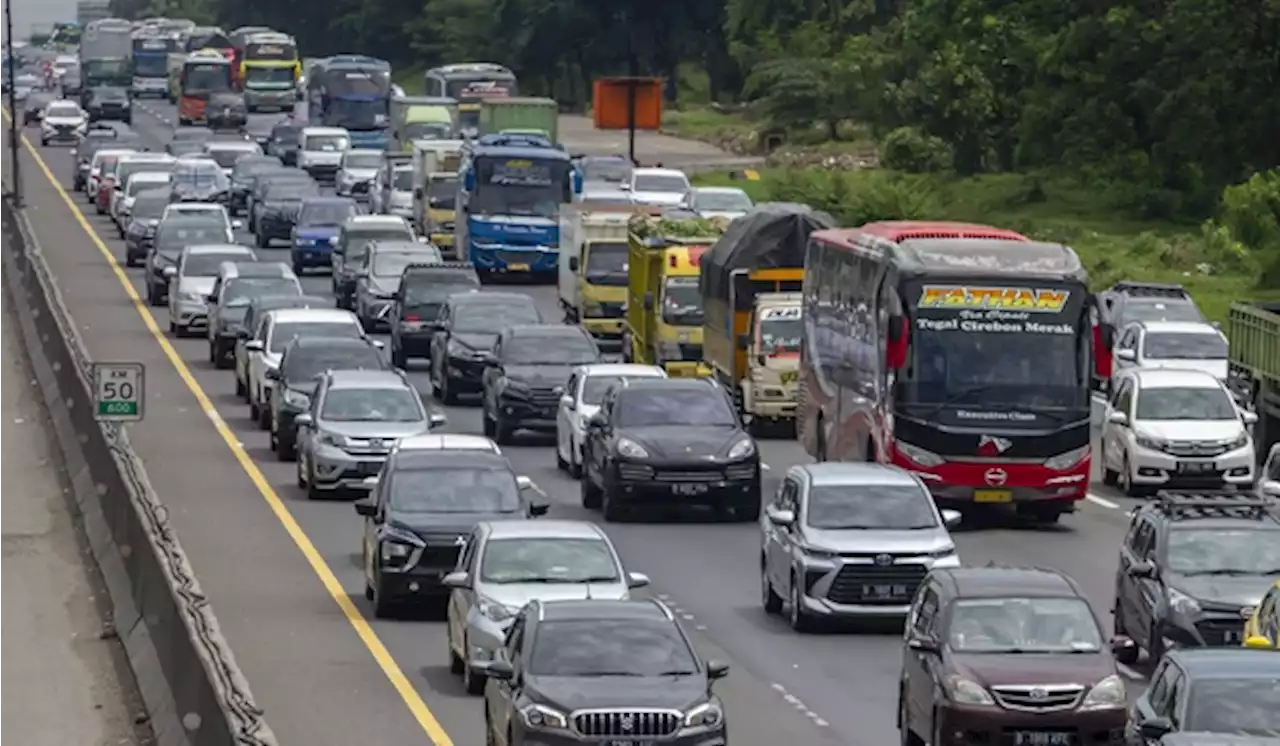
(1195, 467)
(518, 267)
(627, 742)
(1038, 738)
(689, 489)
(884, 592)
(992, 496)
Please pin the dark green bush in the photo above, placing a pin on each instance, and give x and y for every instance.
(913, 151)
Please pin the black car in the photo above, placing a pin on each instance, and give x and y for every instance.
(466, 330)
(283, 142)
(226, 111)
(172, 236)
(259, 130)
(109, 103)
(423, 291)
(230, 306)
(525, 375)
(242, 176)
(1226, 691)
(669, 442)
(1192, 569)
(563, 678)
(303, 360)
(417, 518)
(144, 218)
(199, 181)
(264, 180)
(277, 211)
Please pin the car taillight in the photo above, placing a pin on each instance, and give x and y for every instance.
(413, 319)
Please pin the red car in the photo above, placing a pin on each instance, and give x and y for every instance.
(103, 198)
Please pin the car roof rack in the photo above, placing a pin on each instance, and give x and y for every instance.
(1150, 289)
(1214, 504)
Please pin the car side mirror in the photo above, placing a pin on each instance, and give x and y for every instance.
(378, 343)
(1142, 570)
(303, 420)
(1271, 488)
(1249, 418)
(273, 374)
(1121, 645)
(539, 509)
(525, 483)
(717, 670)
(1257, 642)
(573, 264)
(952, 518)
(597, 420)
(637, 580)
(648, 301)
(923, 644)
(366, 508)
(237, 224)
(781, 517)
(1118, 418)
(242, 333)
(437, 420)
(170, 271)
(457, 579)
(211, 299)
(499, 670)
(254, 345)
(566, 401)
(1155, 728)
(1126, 355)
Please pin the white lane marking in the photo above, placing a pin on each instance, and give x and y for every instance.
(1104, 502)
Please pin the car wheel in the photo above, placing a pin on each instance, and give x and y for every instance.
(367, 324)
(796, 616)
(611, 508)
(312, 492)
(591, 496)
(489, 427)
(241, 391)
(261, 239)
(399, 359)
(173, 329)
(447, 394)
(561, 463)
(220, 358)
(1155, 645)
(1110, 477)
(301, 481)
(286, 450)
(1125, 480)
(381, 604)
(503, 433)
(908, 736)
(264, 417)
(769, 598)
(254, 414)
(472, 683)
(456, 664)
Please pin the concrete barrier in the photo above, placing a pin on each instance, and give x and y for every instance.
(194, 691)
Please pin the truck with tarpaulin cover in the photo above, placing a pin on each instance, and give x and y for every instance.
(151, 64)
(200, 38)
(106, 55)
(470, 83)
(1253, 341)
(203, 74)
(352, 92)
(665, 310)
(960, 353)
(593, 268)
(422, 118)
(435, 190)
(269, 72)
(532, 116)
(750, 286)
(510, 197)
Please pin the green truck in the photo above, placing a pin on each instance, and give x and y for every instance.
(538, 116)
(1253, 334)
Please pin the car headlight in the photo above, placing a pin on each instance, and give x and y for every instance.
(1106, 694)
(943, 552)
(1064, 461)
(333, 439)
(966, 692)
(495, 611)
(628, 448)
(395, 550)
(543, 717)
(919, 455)
(296, 398)
(1149, 443)
(1182, 603)
(461, 351)
(187, 296)
(742, 449)
(705, 715)
(303, 242)
(1241, 441)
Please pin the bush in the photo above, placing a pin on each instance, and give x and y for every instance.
(857, 198)
(913, 151)
(1251, 211)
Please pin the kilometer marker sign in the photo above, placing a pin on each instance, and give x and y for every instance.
(118, 391)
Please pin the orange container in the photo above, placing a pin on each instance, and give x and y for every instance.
(609, 107)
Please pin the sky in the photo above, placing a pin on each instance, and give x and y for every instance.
(27, 13)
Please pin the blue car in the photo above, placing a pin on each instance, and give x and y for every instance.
(320, 220)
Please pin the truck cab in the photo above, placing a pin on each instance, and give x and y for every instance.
(594, 269)
(771, 351)
(435, 190)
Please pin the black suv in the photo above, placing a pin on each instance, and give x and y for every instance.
(466, 330)
(1224, 691)
(525, 376)
(423, 290)
(669, 442)
(108, 102)
(562, 678)
(1192, 569)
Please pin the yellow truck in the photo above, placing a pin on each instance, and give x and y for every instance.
(435, 190)
(750, 284)
(593, 269)
(664, 307)
(422, 118)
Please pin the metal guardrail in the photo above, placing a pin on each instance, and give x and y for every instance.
(195, 693)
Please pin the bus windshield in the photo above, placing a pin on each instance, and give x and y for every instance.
(269, 76)
(477, 88)
(520, 186)
(206, 77)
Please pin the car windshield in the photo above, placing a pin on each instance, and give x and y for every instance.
(609, 170)
(490, 318)
(442, 194)
(62, 109)
(358, 240)
(1199, 403)
(201, 176)
(598, 647)
(1153, 310)
(550, 560)
(242, 290)
(152, 181)
(250, 167)
(227, 157)
(682, 302)
(305, 363)
(607, 263)
(150, 206)
(462, 489)
(402, 180)
(327, 143)
(660, 183)
(780, 332)
(290, 191)
(869, 506)
(595, 387)
(207, 265)
(355, 159)
(548, 349)
(1223, 551)
(372, 405)
(1024, 625)
(188, 147)
(1244, 706)
(328, 214)
(433, 291)
(287, 331)
(691, 407)
(723, 201)
(172, 239)
(1184, 346)
(387, 264)
(108, 164)
(288, 135)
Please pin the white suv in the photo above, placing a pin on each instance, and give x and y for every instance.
(1175, 429)
(208, 210)
(1172, 345)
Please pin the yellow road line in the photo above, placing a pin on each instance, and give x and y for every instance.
(322, 570)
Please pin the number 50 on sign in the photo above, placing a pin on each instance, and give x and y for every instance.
(118, 391)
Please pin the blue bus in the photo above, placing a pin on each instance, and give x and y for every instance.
(151, 64)
(352, 92)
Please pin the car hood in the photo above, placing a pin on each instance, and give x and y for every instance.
(887, 541)
(400, 198)
(1030, 669)
(200, 285)
(1216, 367)
(722, 214)
(477, 342)
(196, 190)
(443, 527)
(516, 595)
(63, 121)
(307, 387)
(1223, 590)
(360, 174)
(684, 441)
(569, 693)
(657, 198)
(1196, 430)
(539, 375)
(233, 314)
(384, 285)
(318, 232)
(383, 430)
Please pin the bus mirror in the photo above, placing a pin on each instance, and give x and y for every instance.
(896, 349)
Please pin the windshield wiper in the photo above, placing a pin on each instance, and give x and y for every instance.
(611, 673)
(1230, 571)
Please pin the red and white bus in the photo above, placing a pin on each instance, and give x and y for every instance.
(962, 353)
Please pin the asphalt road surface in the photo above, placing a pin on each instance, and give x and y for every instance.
(283, 572)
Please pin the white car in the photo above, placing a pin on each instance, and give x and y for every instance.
(272, 335)
(130, 165)
(192, 281)
(226, 152)
(582, 396)
(103, 160)
(209, 210)
(399, 193)
(1269, 477)
(720, 202)
(356, 171)
(139, 182)
(320, 150)
(63, 121)
(660, 187)
(1175, 429)
(1171, 345)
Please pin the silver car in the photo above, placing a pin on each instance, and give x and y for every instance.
(356, 418)
(356, 172)
(841, 540)
(193, 280)
(507, 564)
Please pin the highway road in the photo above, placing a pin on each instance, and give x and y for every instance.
(283, 572)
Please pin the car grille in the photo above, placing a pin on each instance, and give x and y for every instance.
(848, 586)
(360, 187)
(612, 310)
(439, 556)
(1038, 698)
(732, 473)
(1221, 631)
(1193, 448)
(544, 397)
(627, 723)
(370, 447)
(63, 130)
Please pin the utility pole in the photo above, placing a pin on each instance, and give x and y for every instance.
(13, 104)
(633, 74)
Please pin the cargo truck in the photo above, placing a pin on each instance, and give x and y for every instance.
(1253, 337)
(435, 190)
(522, 116)
(664, 314)
(750, 283)
(422, 118)
(593, 269)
